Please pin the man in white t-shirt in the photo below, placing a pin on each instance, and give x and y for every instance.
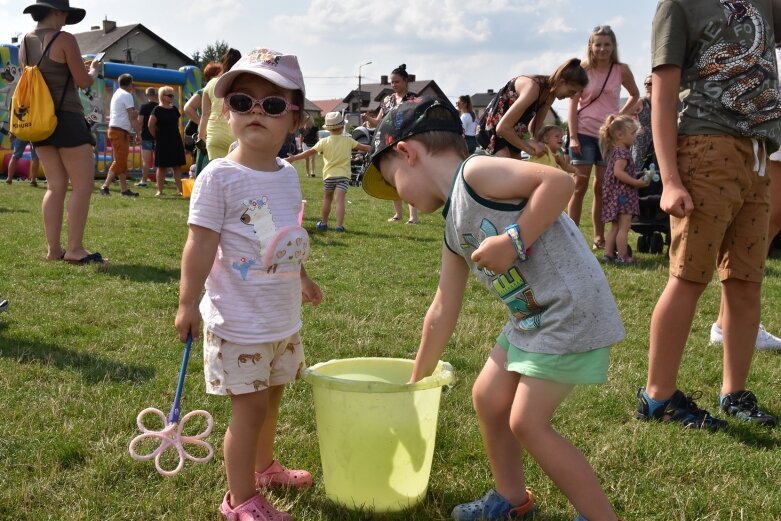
(122, 121)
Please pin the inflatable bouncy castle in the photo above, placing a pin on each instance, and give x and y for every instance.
(96, 101)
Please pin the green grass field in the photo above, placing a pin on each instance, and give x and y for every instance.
(82, 351)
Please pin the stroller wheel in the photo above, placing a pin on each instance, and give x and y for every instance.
(642, 244)
(656, 244)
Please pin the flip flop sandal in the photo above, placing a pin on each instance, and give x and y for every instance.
(92, 258)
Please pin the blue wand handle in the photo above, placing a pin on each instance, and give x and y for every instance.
(173, 416)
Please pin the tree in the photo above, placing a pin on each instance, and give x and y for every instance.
(212, 53)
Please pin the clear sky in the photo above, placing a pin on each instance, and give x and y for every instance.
(467, 46)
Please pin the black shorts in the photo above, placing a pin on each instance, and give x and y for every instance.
(72, 131)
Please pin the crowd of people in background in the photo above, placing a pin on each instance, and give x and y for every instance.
(524, 381)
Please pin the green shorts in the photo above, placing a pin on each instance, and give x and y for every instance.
(589, 367)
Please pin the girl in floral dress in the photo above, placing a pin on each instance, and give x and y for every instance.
(619, 190)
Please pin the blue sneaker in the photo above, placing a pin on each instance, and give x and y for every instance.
(680, 408)
(493, 507)
(321, 226)
(743, 406)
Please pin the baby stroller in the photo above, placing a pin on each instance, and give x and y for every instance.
(652, 224)
(359, 160)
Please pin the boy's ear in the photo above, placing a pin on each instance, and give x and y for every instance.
(409, 150)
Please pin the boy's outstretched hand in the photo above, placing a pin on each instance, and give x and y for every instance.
(495, 253)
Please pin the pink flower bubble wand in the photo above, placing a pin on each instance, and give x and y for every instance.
(172, 434)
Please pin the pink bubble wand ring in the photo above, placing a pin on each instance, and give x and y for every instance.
(172, 434)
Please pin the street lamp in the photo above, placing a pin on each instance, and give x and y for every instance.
(360, 94)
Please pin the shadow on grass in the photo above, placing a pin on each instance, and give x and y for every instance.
(438, 504)
(752, 435)
(3, 209)
(93, 369)
(143, 273)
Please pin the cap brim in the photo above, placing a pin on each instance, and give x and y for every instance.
(376, 186)
(225, 81)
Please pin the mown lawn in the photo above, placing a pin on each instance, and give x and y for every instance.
(82, 351)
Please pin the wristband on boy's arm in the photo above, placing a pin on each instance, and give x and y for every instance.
(514, 233)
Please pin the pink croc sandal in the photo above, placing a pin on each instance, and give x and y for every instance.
(256, 508)
(277, 476)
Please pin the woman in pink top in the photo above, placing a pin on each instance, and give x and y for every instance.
(587, 112)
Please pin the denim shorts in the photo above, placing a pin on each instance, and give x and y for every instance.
(589, 152)
(148, 144)
(19, 147)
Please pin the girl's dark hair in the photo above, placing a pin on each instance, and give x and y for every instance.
(572, 72)
(467, 101)
(401, 70)
(229, 59)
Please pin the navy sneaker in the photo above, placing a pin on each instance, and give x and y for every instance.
(680, 408)
(321, 226)
(743, 406)
(493, 507)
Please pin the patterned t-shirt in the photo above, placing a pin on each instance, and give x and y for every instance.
(729, 81)
(245, 303)
(559, 301)
(390, 101)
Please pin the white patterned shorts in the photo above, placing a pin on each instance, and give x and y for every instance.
(232, 369)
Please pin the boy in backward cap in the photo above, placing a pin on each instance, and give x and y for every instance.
(504, 222)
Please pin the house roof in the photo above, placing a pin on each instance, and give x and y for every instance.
(95, 41)
(482, 99)
(373, 93)
(330, 105)
(311, 106)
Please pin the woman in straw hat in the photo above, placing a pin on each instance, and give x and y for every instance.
(66, 155)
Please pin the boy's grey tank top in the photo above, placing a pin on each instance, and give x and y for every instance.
(559, 300)
(56, 74)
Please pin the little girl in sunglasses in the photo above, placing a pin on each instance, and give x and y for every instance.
(246, 248)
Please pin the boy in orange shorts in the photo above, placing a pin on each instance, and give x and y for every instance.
(716, 190)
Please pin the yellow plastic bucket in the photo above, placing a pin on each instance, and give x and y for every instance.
(376, 431)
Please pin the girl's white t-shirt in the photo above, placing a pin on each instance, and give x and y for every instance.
(244, 303)
(469, 123)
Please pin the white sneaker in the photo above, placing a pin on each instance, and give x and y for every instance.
(765, 340)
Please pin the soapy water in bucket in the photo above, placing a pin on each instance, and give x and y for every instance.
(376, 432)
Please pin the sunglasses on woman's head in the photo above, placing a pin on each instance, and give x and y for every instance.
(602, 29)
(273, 106)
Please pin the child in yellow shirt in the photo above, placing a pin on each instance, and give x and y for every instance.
(552, 136)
